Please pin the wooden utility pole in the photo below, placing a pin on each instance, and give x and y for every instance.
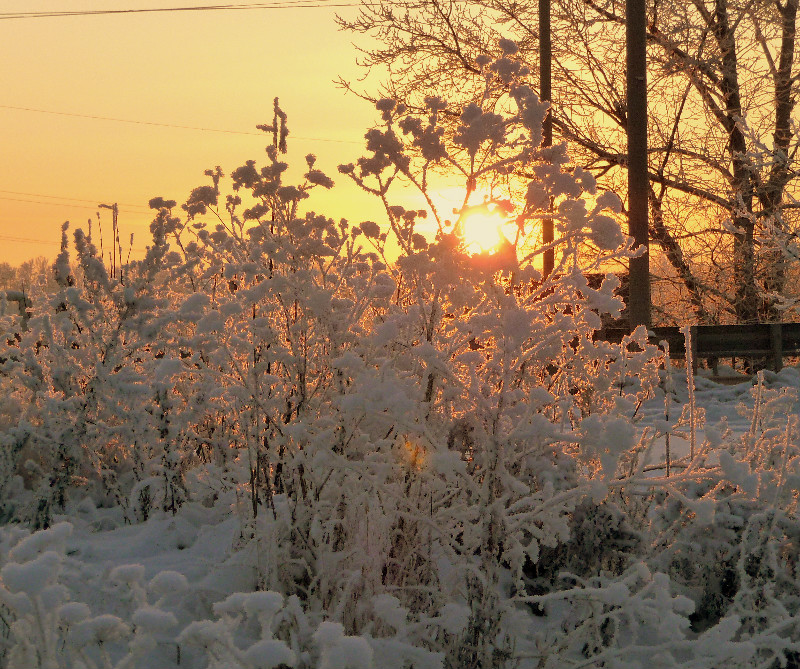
(638, 180)
(545, 86)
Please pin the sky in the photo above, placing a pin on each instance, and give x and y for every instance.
(218, 70)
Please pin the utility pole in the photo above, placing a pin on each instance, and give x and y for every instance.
(638, 180)
(546, 91)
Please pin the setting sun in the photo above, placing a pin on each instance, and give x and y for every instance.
(482, 228)
(481, 232)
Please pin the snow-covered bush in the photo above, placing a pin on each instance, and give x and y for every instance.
(727, 535)
(49, 631)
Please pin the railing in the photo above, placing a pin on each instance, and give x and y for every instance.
(772, 341)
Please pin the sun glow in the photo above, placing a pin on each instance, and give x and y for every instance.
(482, 229)
(481, 232)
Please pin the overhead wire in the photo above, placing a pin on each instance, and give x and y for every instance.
(69, 205)
(64, 204)
(49, 242)
(276, 4)
(26, 240)
(60, 197)
(53, 242)
(94, 117)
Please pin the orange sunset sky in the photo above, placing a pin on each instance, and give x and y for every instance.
(205, 69)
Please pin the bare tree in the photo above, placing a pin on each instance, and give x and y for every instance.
(7, 276)
(722, 82)
(35, 272)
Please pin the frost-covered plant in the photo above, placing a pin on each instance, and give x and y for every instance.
(48, 631)
(727, 528)
(281, 636)
(97, 411)
(501, 359)
(421, 427)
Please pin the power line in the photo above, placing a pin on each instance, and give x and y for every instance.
(123, 120)
(26, 240)
(283, 4)
(84, 207)
(52, 242)
(167, 125)
(72, 199)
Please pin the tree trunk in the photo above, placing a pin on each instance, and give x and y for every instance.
(772, 194)
(638, 177)
(545, 86)
(744, 266)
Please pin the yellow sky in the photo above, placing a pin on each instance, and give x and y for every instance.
(212, 69)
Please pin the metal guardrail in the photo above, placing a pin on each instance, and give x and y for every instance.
(772, 341)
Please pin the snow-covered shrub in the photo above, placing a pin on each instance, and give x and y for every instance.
(95, 374)
(282, 637)
(499, 374)
(727, 535)
(50, 631)
(412, 428)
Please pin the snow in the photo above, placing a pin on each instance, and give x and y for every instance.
(127, 573)
(74, 612)
(338, 651)
(32, 546)
(193, 306)
(183, 582)
(153, 619)
(98, 630)
(269, 654)
(34, 576)
(454, 617)
(389, 609)
(166, 582)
